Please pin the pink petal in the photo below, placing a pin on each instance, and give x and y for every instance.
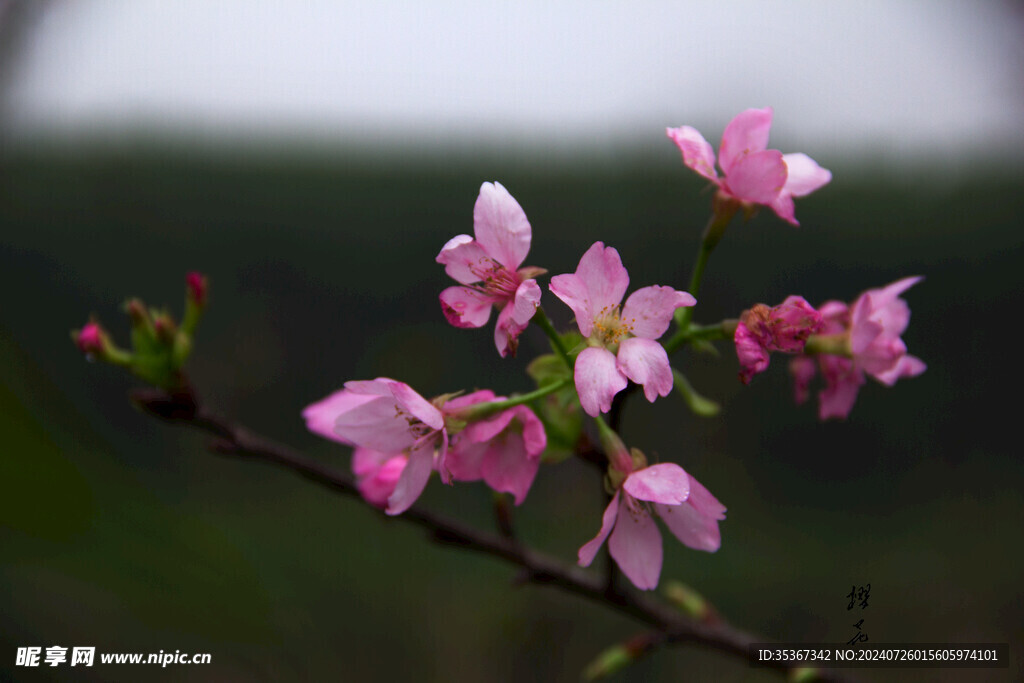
(635, 545)
(419, 407)
(465, 307)
(376, 424)
(745, 134)
(370, 387)
(414, 477)
(881, 357)
(534, 437)
(589, 550)
(645, 362)
(464, 259)
(598, 380)
(907, 366)
(320, 416)
(784, 208)
(836, 316)
(378, 485)
(366, 460)
(507, 331)
(842, 384)
(526, 300)
(663, 483)
(600, 269)
(695, 522)
(507, 467)
(465, 458)
(648, 311)
(757, 177)
(573, 293)
(803, 370)
(697, 152)
(500, 225)
(791, 323)
(482, 431)
(886, 295)
(751, 353)
(803, 175)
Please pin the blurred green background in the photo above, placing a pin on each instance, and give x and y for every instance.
(126, 534)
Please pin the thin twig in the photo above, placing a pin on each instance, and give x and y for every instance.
(539, 568)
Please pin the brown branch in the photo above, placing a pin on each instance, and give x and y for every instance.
(234, 440)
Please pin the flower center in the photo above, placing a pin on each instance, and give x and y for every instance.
(497, 282)
(416, 426)
(609, 327)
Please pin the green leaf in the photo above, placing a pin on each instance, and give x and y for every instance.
(700, 405)
(547, 369)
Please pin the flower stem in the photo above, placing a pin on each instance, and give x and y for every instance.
(833, 344)
(721, 330)
(722, 214)
(542, 320)
(479, 411)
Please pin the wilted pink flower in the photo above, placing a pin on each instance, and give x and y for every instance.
(620, 345)
(486, 267)
(503, 450)
(761, 329)
(689, 511)
(874, 324)
(750, 171)
(388, 417)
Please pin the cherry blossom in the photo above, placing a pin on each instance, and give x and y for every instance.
(621, 342)
(388, 417)
(752, 173)
(689, 511)
(486, 268)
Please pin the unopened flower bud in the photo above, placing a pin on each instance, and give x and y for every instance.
(165, 328)
(195, 283)
(90, 339)
(95, 343)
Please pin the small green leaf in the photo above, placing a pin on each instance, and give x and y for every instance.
(700, 405)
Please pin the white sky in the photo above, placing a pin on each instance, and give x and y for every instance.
(909, 78)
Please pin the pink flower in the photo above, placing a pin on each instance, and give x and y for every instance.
(761, 329)
(388, 417)
(621, 346)
(503, 450)
(486, 267)
(874, 324)
(751, 172)
(689, 511)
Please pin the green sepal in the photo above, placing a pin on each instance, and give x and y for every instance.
(700, 405)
